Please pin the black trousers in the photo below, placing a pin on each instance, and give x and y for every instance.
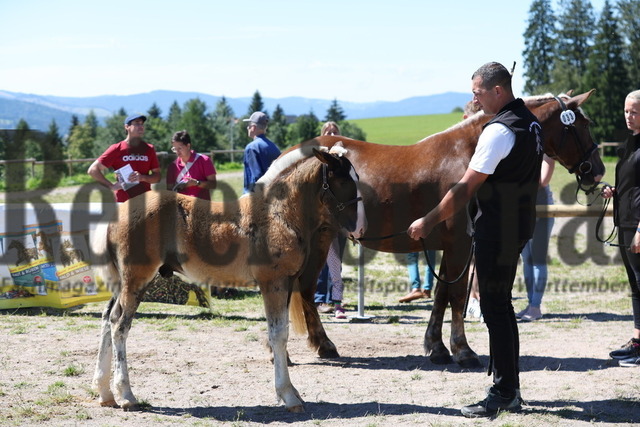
(632, 265)
(496, 265)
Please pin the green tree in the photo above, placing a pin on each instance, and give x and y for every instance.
(52, 150)
(256, 104)
(278, 128)
(630, 30)
(112, 132)
(81, 146)
(75, 121)
(16, 145)
(574, 39)
(306, 127)
(91, 121)
(196, 121)
(335, 113)
(15, 149)
(606, 71)
(351, 130)
(539, 47)
(157, 132)
(223, 122)
(154, 111)
(174, 117)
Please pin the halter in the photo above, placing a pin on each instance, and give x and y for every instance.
(325, 186)
(583, 166)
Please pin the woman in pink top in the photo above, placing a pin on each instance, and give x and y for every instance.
(191, 173)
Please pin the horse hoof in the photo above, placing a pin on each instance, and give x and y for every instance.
(470, 363)
(109, 404)
(441, 359)
(328, 354)
(297, 409)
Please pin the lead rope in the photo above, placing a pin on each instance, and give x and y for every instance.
(464, 271)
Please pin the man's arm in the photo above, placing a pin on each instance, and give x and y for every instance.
(455, 199)
(153, 178)
(96, 171)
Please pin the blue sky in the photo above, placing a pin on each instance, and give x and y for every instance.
(357, 51)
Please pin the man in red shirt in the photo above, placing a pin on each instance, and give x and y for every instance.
(134, 161)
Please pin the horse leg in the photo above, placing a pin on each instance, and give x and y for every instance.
(102, 374)
(462, 353)
(276, 297)
(317, 336)
(433, 345)
(121, 318)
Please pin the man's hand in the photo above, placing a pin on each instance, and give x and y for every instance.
(418, 229)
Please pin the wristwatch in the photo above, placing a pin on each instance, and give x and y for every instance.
(198, 183)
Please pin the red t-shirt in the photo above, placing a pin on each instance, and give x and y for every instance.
(142, 159)
(201, 168)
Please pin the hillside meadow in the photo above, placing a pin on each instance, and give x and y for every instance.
(405, 130)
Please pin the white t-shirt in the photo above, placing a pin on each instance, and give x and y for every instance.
(495, 143)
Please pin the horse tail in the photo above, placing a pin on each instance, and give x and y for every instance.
(296, 312)
(104, 262)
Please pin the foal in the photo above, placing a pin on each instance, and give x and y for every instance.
(263, 239)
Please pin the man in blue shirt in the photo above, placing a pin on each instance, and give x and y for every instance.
(260, 152)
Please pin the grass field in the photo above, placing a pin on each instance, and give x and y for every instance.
(406, 129)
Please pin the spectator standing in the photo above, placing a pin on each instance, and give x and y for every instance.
(191, 173)
(626, 215)
(133, 152)
(329, 288)
(259, 153)
(534, 254)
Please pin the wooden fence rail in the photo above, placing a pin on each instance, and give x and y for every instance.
(161, 154)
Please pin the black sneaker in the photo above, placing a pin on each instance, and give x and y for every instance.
(630, 349)
(632, 362)
(491, 405)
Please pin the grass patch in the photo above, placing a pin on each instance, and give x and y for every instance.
(72, 371)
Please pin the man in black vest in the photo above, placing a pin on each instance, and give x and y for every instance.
(503, 176)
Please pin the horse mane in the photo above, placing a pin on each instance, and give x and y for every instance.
(286, 161)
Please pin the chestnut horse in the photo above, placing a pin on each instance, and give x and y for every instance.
(263, 239)
(402, 183)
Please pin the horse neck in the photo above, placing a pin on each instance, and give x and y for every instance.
(458, 141)
(296, 195)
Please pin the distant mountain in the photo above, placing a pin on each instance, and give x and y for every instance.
(39, 110)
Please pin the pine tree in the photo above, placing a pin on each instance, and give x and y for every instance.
(278, 128)
(174, 116)
(256, 104)
(196, 121)
(539, 47)
(335, 113)
(80, 146)
(75, 121)
(112, 132)
(306, 127)
(630, 29)
(607, 73)
(574, 40)
(51, 152)
(222, 119)
(154, 112)
(157, 132)
(91, 121)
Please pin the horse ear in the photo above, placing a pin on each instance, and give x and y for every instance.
(578, 100)
(327, 158)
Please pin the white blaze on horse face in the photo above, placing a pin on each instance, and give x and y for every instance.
(361, 222)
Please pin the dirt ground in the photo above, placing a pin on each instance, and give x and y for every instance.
(193, 369)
